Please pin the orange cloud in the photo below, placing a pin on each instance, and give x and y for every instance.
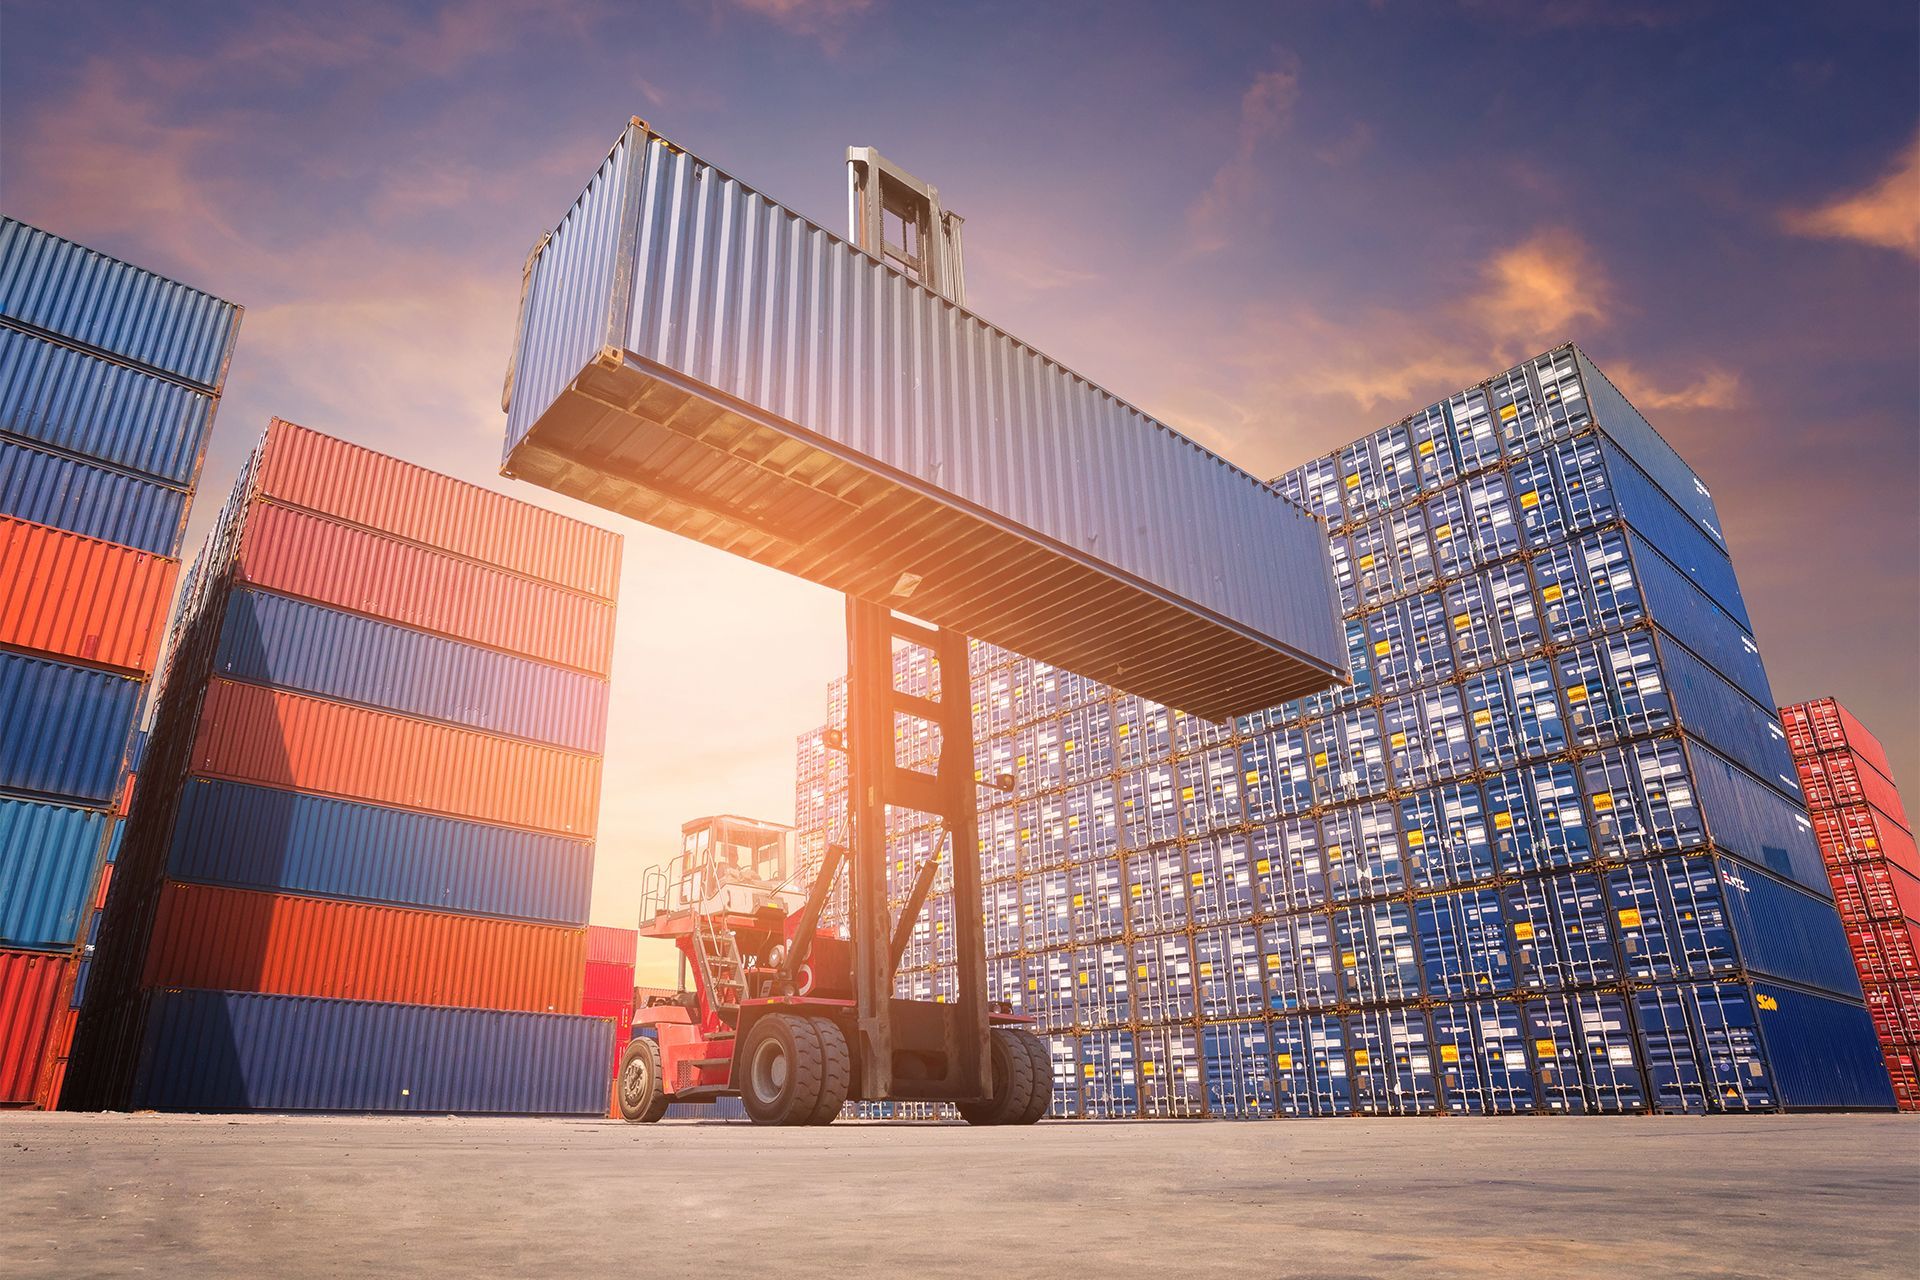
(1534, 292)
(1266, 109)
(1885, 214)
(1715, 388)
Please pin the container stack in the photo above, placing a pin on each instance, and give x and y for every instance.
(357, 869)
(608, 991)
(1546, 852)
(109, 378)
(1875, 870)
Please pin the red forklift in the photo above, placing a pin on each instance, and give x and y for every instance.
(770, 1018)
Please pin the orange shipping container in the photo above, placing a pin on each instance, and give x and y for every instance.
(82, 598)
(252, 734)
(332, 563)
(306, 469)
(240, 940)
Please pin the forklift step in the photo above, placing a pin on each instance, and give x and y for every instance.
(706, 1062)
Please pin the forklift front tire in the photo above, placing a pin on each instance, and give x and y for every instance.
(1013, 1082)
(642, 1100)
(783, 1070)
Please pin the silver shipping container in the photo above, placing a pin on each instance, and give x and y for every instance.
(698, 357)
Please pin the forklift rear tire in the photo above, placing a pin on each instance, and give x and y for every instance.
(782, 1070)
(1012, 1082)
(1042, 1059)
(642, 1100)
(836, 1071)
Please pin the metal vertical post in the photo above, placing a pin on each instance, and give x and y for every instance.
(869, 686)
(963, 829)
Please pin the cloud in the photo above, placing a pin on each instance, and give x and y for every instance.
(1535, 292)
(824, 20)
(1717, 387)
(1266, 110)
(1885, 214)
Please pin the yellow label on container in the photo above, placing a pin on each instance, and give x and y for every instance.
(1079, 899)
(1333, 851)
(1398, 740)
(1263, 866)
(1253, 776)
(1550, 592)
(1443, 531)
(1382, 648)
(1416, 838)
(1546, 1048)
(1068, 744)
(1509, 413)
(1503, 820)
(1530, 499)
(1186, 793)
(1449, 1053)
(1083, 979)
(1361, 1057)
(1143, 971)
(1026, 833)
(1283, 1061)
(1523, 930)
(1630, 917)
(1146, 1068)
(1033, 984)
(1353, 481)
(1206, 970)
(1578, 693)
(1124, 730)
(1021, 761)
(1273, 962)
(1767, 1003)
(1137, 890)
(1483, 716)
(1348, 959)
(1198, 877)
(1319, 759)
(1426, 447)
(1366, 561)
(1461, 621)
(1603, 801)
(1087, 1071)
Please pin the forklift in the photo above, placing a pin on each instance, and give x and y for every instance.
(772, 1020)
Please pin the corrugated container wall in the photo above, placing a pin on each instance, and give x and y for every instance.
(109, 377)
(1546, 852)
(372, 786)
(1872, 865)
(788, 398)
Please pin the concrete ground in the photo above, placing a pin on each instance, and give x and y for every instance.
(296, 1196)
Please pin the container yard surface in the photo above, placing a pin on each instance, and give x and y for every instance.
(266, 1195)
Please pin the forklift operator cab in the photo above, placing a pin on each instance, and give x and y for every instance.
(731, 865)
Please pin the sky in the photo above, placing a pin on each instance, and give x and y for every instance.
(1275, 226)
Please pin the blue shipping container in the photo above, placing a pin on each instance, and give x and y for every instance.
(248, 837)
(1785, 932)
(59, 287)
(78, 404)
(272, 639)
(1824, 1052)
(63, 729)
(90, 500)
(47, 853)
(235, 1051)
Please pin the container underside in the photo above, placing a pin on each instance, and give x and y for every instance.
(641, 440)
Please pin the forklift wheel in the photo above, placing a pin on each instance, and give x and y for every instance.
(1042, 1059)
(836, 1071)
(783, 1070)
(1012, 1082)
(642, 1100)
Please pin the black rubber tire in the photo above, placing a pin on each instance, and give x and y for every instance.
(836, 1071)
(1042, 1085)
(640, 1096)
(781, 1070)
(1012, 1082)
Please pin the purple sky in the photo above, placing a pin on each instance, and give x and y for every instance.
(1275, 226)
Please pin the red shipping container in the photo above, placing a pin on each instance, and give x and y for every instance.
(612, 946)
(336, 564)
(622, 1018)
(306, 469)
(1854, 781)
(252, 734)
(1895, 1007)
(241, 940)
(1857, 831)
(1884, 951)
(1873, 889)
(609, 983)
(82, 598)
(1903, 1067)
(31, 986)
(1824, 725)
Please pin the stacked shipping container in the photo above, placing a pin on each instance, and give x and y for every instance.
(109, 378)
(609, 991)
(1546, 852)
(362, 841)
(1872, 863)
